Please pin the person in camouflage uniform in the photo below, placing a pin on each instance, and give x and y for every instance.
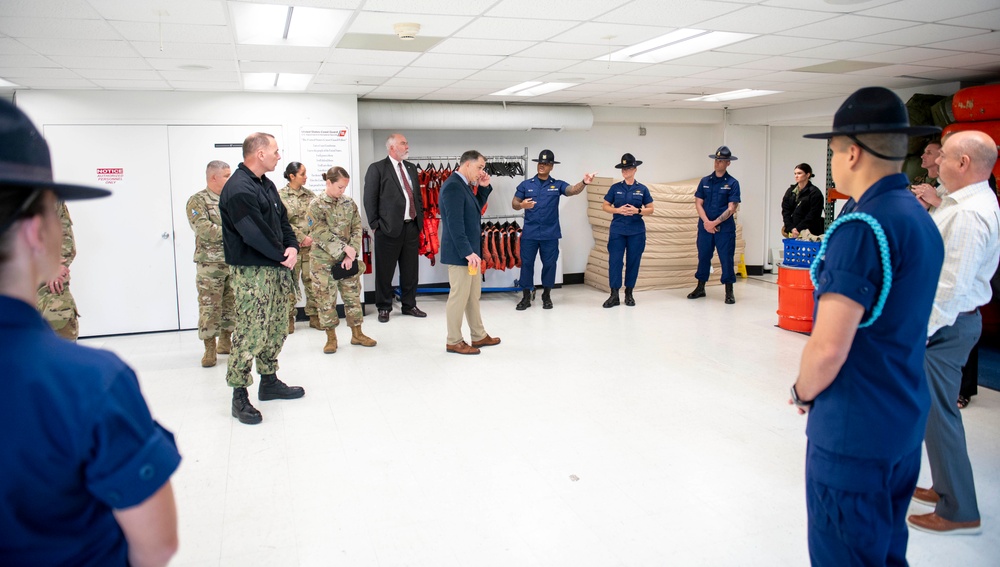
(261, 250)
(296, 198)
(336, 231)
(55, 301)
(215, 290)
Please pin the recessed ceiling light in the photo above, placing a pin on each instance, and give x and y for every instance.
(193, 67)
(678, 43)
(732, 95)
(276, 81)
(269, 24)
(533, 88)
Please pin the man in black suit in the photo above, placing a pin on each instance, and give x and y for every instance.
(395, 214)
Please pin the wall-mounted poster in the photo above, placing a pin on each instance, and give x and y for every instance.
(323, 147)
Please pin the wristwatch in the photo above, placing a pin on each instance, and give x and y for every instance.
(798, 402)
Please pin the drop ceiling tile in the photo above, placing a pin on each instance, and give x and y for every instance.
(26, 61)
(625, 80)
(341, 89)
(958, 74)
(727, 74)
(963, 60)
(843, 50)
(762, 19)
(438, 96)
(667, 70)
(173, 12)
(927, 10)
(38, 73)
(774, 45)
(475, 47)
(206, 85)
(510, 77)
(44, 83)
(989, 19)
(456, 61)
(847, 26)
(486, 86)
(174, 33)
(196, 51)
(604, 68)
(95, 47)
(55, 28)
(360, 70)
(390, 96)
(211, 76)
(214, 65)
(780, 63)
(514, 28)
(676, 13)
(919, 35)
(68, 9)
(617, 35)
(436, 73)
(983, 42)
(330, 4)
(717, 59)
(304, 67)
(411, 91)
(577, 10)
(348, 80)
(574, 51)
(372, 57)
(433, 26)
(421, 84)
(906, 55)
(441, 7)
(824, 5)
(895, 70)
(132, 85)
(530, 64)
(280, 53)
(137, 75)
(579, 78)
(74, 62)
(10, 46)
(585, 89)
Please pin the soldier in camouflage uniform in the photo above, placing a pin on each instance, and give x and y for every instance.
(261, 250)
(336, 231)
(215, 290)
(55, 301)
(296, 198)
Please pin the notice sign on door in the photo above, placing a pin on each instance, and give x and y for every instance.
(110, 175)
(323, 147)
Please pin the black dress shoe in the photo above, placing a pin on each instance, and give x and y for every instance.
(383, 315)
(414, 312)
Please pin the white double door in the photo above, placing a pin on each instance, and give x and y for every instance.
(134, 270)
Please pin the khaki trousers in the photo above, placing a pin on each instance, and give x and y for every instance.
(464, 299)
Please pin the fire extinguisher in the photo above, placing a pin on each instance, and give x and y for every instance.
(366, 251)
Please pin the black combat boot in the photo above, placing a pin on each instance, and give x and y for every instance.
(525, 300)
(273, 389)
(698, 291)
(730, 298)
(613, 299)
(629, 300)
(242, 409)
(546, 299)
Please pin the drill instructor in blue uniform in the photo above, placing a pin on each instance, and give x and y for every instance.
(539, 198)
(862, 372)
(628, 200)
(717, 198)
(86, 470)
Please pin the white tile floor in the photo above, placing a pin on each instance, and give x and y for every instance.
(646, 436)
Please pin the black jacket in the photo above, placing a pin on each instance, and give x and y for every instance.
(385, 205)
(804, 210)
(255, 229)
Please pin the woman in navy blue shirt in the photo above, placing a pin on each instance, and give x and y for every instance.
(628, 200)
(86, 470)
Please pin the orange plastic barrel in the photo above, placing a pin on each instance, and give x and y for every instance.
(795, 299)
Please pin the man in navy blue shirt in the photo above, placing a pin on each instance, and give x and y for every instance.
(717, 198)
(862, 376)
(539, 198)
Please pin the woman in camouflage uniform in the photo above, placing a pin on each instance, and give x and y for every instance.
(336, 234)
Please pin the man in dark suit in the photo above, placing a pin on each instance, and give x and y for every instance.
(395, 214)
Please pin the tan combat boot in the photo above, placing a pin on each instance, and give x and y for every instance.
(291, 324)
(225, 343)
(209, 359)
(359, 338)
(331, 342)
(314, 322)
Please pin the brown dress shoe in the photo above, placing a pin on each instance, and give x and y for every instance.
(932, 523)
(926, 496)
(486, 341)
(462, 347)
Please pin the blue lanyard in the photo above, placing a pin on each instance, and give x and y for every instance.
(883, 248)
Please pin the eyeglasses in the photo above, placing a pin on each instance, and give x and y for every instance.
(21, 210)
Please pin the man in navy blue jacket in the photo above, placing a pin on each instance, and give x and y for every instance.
(462, 199)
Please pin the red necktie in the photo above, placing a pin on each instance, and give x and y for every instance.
(409, 191)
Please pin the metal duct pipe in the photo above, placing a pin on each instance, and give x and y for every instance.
(388, 115)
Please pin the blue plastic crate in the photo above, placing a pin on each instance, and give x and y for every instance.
(799, 253)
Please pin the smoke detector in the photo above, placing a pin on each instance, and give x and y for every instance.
(406, 31)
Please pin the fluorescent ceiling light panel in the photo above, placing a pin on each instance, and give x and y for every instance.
(678, 43)
(276, 81)
(732, 95)
(533, 88)
(6, 84)
(268, 24)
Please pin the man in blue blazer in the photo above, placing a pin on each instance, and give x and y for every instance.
(395, 214)
(462, 199)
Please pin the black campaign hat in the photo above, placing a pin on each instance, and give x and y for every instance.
(873, 110)
(628, 160)
(25, 161)
(724, 153)
(546, 156)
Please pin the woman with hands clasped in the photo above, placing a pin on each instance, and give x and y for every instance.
(802, 205)
(628, 200)
(336, 233)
